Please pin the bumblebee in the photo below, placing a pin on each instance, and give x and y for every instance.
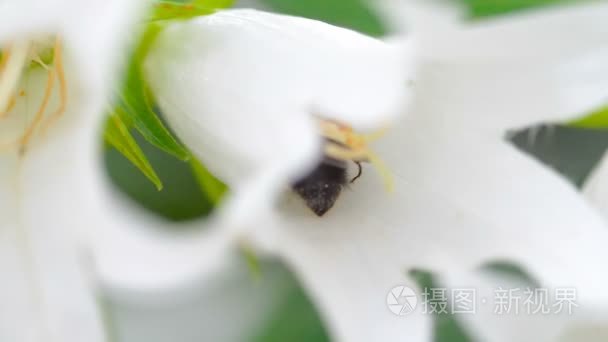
(321, 188)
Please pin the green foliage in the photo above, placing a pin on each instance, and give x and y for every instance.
(570, 151)
(181, 198)
(213, 188)
(597, 120)
(134, 104)
(117, 134)
(446, 326)
(353, 14)
(296, 319)
(507, 269)
(484, 8)
(171, 10)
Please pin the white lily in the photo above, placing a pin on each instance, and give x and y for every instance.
(51, 115)
(242, 93)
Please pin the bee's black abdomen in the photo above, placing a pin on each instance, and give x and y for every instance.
(321, 188)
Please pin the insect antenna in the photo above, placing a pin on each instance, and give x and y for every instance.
(360, 171)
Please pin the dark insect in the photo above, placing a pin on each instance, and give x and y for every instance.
(321, 188)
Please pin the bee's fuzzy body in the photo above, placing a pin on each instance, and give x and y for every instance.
(322, 186)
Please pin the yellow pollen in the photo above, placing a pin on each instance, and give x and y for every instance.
(346, 144)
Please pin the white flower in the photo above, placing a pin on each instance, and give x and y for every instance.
(69, 50)
(242, 88)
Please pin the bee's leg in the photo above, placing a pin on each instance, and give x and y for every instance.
(358, 173)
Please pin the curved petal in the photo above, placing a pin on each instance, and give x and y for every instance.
(350, 279)
(545, 66)
(139, 256)
(230, 307)
(46, 290)
(350, 282)
(265, 76)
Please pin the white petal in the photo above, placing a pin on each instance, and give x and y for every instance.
(139, 257)
(587, 330)
(46, 293)
(528, 213)
(596, 186)
(512, 319)
(49, 271)
(230, 307)
(64, 188)
(508, 73)
(85, 29)
(349, 272)
(18, 317)
(460, 200)
(240, 87)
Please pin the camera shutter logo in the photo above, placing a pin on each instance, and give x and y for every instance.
(401, 300)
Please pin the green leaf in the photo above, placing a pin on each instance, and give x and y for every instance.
(597, 120)
(181, 198)
(117, 135)
(214, 3)
(353, 14)
(509, 270)
(133, 106)
(134, 101)
(485, 8)
(447, 327)
(173, 10)
(211, 186)
(168, 10)
(295, 317)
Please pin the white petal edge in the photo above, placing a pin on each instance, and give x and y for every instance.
(232, 306)
(546, 66)
(350, 286)
(413, 16)
(595, 188)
